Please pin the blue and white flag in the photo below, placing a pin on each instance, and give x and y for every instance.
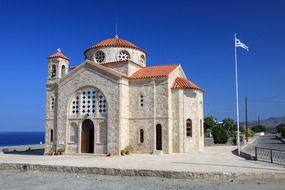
(238, 43)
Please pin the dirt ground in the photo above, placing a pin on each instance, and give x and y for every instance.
(32, 180)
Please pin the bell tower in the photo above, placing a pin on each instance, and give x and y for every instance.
(57, 65)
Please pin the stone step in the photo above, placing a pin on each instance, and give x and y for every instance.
(157, 152)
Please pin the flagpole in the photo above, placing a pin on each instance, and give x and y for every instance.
(237, 105)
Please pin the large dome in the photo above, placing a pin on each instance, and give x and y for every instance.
(115, 42)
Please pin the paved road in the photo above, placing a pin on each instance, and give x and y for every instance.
(266, 141)
(14, 180)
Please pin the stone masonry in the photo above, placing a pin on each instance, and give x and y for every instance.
(153, 109)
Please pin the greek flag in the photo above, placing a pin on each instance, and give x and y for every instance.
(238, 43)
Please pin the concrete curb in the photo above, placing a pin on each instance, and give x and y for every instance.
(149, 173)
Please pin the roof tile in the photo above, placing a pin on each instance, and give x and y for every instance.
(58, 54)
(184, 83)
(115, 42)
(154, 71)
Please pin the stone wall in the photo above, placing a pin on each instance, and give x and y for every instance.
(154, 111)
(126, 117)
(126, 67)
(111, 54)
(90, 75)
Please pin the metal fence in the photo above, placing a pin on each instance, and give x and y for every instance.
(270, 155)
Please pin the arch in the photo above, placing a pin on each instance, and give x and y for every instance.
(142, 59)
(87, 136)
(158, 137)
(53, 71)
(88, 101)
(189, 128)
(63, 70)
(73, 133)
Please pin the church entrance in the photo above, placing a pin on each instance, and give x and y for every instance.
(87, 137)
(158, 137)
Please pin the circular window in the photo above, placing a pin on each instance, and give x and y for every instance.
(123, 55)
(100, 56)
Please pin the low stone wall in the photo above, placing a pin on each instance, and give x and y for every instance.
(209, 141)
(149, 173)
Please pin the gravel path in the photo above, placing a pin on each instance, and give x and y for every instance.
(13, 180)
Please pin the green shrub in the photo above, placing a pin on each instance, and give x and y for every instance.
(279, 127)
(220, 135)
(128, 149)
(60, 150)
(259, 128)
(249, 132)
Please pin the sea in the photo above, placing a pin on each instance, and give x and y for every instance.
(21, 138)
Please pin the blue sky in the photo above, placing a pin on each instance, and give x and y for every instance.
(197, 34)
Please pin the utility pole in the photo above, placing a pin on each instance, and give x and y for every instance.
(246, 125)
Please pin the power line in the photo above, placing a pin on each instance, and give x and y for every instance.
(266, 101)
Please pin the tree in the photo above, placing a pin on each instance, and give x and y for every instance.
(259, 128)
(209, 122)
(279, 127)
(228, 123)
(220, 135)
(249, 132)
(282, 131)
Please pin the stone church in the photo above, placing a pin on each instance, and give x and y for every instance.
(113, 99)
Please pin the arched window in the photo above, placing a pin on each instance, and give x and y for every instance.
(142, 59)
(123, 55)
(188, 128)
(141, 100)
(73, 133)
(51, 135)
(53, 71)
(141, 136)
(87, 102)
(62, 70)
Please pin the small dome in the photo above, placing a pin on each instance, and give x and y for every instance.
(115, 42)
(58, 54)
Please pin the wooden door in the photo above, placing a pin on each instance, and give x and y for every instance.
(87, 137)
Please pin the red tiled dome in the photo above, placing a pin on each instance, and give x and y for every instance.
(115, 42)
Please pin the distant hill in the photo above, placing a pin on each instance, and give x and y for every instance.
(271, 122)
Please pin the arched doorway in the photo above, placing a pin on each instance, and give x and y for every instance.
(87, 137)
(158, 137)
